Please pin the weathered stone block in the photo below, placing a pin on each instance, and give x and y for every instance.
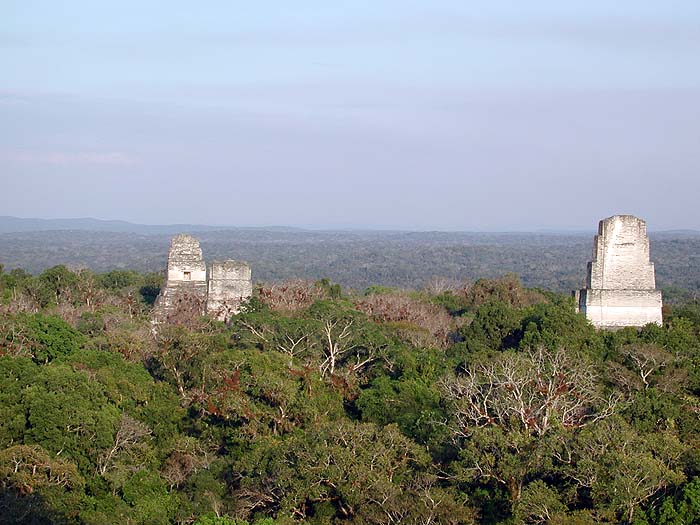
(229, 284)
(619, 308)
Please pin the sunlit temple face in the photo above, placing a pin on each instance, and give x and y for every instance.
(621, 285)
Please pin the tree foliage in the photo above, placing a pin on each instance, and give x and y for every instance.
(480, 403)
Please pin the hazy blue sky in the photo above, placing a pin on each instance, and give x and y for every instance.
(437, 114)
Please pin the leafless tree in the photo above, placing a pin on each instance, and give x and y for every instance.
(337, 343)
(187, 311)
(187, 458)
(530, 391)
(15, 342)
(88, 290)
(646, 360)
(130, 433)
(437, 285)
(291, 340)
(21, 301)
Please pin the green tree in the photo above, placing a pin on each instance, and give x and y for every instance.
(618, 468)
(119, 279)
(16, 374)
(44, 337)
(540, 503)
(346, 471)
(55, 285)
(494, 326)
(69, 413)
(557, 325)
(37, 487)
(682, 508)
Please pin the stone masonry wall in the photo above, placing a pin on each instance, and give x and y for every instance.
(229, 284)
(186, 281)
(189, 291)
(620, 285)
(621, 256)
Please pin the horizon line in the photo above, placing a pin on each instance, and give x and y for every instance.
(572, 230)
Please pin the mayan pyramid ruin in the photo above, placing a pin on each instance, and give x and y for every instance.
(620, 285)
(192, 288)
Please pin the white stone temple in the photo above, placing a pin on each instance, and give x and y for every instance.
(620, 286)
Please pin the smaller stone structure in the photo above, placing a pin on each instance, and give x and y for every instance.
(229, 284)
(620, 286)
(190, 292)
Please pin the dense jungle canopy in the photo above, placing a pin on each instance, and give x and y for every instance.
(481, 402)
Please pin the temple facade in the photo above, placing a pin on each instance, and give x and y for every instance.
(193, 288)
(620, 285)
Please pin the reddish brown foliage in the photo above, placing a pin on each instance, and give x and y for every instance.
(188, 310)
(401, 308)
(290, 295)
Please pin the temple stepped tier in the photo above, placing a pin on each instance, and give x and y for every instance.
(620, 286)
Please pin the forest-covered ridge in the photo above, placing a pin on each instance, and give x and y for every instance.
(485, 402)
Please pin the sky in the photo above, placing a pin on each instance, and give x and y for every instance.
(432, 115)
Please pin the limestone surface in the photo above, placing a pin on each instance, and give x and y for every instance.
(186, 281)
(189, 291)
(620, 285)
(228, 286)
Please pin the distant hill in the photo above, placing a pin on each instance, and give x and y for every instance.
(21, 225)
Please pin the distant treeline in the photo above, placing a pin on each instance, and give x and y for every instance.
(359, 259)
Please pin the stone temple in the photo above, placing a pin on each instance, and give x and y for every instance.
(620, 286)
(191, 287)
